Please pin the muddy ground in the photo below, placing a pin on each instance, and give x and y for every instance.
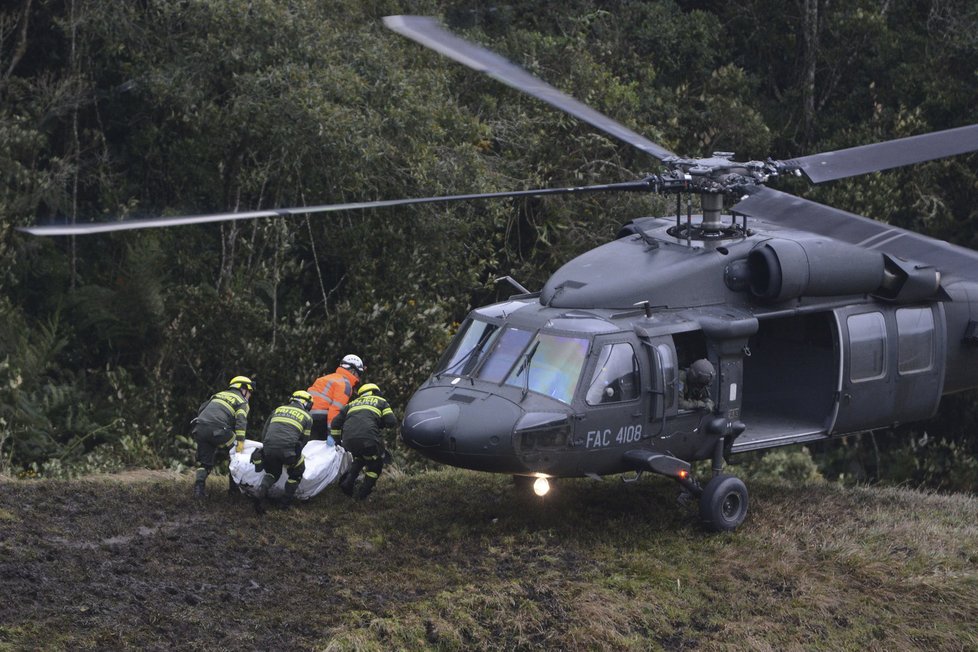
(453, 560)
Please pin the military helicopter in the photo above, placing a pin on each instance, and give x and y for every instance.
(801, 322)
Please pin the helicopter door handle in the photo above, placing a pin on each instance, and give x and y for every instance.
(847, 398)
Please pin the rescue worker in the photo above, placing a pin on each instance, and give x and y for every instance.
(286, 434)
(222, 420)
(358, 426)
(332, 391)
(695, 386)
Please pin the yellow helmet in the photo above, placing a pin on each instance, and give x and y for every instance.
(241, 382)
(304, 397)
(369, 388)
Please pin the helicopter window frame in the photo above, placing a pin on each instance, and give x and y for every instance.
(867, 346)
(556, 357)
(473, 356)
(500, 358)
(609, 375)
(668, 372)
(915, 340)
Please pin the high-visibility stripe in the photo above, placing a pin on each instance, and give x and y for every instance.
(358, 408)
(329, 399)
(325, 395)
(371, 474)
(288, 420)
(321, 394)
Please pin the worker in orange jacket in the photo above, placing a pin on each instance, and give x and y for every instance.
(332, 391)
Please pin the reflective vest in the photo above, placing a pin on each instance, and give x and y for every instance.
(330, 393)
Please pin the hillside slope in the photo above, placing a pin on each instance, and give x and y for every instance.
(457, 560)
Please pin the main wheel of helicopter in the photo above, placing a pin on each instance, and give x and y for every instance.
(723, 505)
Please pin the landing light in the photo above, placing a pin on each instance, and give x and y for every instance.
(541, 486)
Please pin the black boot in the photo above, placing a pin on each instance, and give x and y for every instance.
(349, 479)
(259, 501)
(347, 482)
(366, 487)
(232, 486)
(200, 484)
(289, 497)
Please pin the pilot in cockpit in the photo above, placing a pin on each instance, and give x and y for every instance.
(694, 389)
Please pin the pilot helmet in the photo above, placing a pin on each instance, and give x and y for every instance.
(701, 373)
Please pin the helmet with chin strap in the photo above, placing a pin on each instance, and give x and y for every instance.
(242, 383)
(354, 364)
(368, 389)
(303, 398)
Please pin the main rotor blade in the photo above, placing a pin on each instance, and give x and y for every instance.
(864, 159)
(429, 33)
(158, 222)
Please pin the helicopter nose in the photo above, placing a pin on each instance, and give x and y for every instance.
(429, 428)
(467, 428)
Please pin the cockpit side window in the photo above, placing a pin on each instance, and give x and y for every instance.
(615, 377)
(470, 344)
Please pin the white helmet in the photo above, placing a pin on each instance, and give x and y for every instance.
(354, 363)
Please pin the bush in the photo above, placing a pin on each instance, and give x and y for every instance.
(791, 464)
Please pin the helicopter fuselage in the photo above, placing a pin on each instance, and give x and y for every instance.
(810, 337)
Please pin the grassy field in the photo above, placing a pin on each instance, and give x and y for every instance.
(458, 560)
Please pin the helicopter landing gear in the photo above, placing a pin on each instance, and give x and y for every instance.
(723, 505)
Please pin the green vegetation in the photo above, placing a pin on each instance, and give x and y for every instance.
(453, 560)
(108, 344)
(109, 110)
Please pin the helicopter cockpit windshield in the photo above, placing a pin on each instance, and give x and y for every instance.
(551, 366)
(546, 363)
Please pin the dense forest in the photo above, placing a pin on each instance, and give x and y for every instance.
(111, 110)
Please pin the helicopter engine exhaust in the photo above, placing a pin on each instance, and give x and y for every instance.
(782, 269)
